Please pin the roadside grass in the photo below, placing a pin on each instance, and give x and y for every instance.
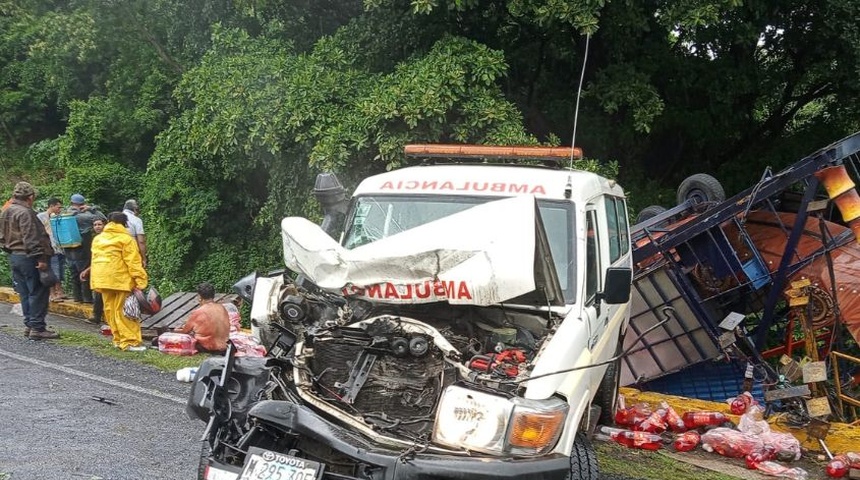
(101, 345)
(645, 465)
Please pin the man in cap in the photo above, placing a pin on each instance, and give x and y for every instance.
(79, 257)
(24, 238)
(131, 209)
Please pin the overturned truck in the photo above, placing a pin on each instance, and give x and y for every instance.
(466, 323)
(771, 271)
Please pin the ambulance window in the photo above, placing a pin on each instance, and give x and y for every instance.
(623, 232)
(612, 229)
(592, 266)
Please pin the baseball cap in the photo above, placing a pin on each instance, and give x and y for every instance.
(23, 189)
(78, 199)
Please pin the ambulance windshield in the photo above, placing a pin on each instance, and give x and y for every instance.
(375, 217)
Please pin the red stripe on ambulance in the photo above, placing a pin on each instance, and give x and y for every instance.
(439, 290)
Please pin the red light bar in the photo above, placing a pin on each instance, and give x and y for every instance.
(465, 151)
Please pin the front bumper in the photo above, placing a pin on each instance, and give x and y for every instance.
(369, 462)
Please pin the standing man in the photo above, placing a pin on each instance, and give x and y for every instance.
(135, 226)
(79, 257)
(58, 259)
(24, 238)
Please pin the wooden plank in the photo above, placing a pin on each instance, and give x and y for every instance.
(783, 393)
(175, 314)
(184, 301)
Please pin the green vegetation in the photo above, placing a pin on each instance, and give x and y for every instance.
(218, 121)
(644, 465)
(102, 346)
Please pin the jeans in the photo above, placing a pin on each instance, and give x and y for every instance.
(80, 288)
(33, 295)
(58, 265)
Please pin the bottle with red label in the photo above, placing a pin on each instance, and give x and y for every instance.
(652, 423)
(703, 419)
(671, 418)
(841, 464)
(629, 438)
(687, 441)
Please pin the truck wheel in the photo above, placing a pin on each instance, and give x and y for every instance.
(649, 212)
(205, 451)
(583, 460)
(607, 392)
(701, 187)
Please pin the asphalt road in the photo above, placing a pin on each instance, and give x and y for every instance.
(53, 427)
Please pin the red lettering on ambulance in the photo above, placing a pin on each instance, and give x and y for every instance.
(425, 293)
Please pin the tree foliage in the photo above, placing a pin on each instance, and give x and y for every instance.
(218, 115)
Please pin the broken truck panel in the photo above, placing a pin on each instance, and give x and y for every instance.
(708, 260)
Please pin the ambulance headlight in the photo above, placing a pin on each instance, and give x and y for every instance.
(477, 421)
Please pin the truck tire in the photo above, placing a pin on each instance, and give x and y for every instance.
(701, 187)
(607, 392)
(649, 212)
(583, 460)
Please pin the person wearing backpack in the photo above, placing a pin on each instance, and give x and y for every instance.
(79, 257)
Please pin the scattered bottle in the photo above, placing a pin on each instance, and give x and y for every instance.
(841, 464)
(105, 330)
(672, 419)
(629, 438)
(652, 424)
(766, 453)
(776, 470)
(687, 441)
(739, 405)
(703, 419)
(186, 374)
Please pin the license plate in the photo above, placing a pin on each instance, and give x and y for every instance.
(266, 465)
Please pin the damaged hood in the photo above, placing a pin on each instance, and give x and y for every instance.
(488, 254)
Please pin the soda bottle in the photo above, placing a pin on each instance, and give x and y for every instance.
(652, 424)
(838, 467)
(672, 419)
(105, 330)
(768, 452)
(687, 441)
(632, 415)
(703, 419)
(777, 470)
(739, 405)
(629, 438)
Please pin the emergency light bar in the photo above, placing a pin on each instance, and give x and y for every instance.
(484, 151)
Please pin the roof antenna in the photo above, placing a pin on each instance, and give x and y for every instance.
(568, 189)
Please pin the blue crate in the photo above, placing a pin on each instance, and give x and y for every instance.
(705, 381)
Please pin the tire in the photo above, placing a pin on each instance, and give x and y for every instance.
(649, 212)
(607, 392)
(205, 451)
(701, 187)
(583, 460)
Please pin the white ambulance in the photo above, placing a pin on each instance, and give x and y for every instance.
(464, 323)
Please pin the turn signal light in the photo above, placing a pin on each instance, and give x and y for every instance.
(536, 430)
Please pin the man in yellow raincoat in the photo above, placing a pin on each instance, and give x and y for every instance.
(116, 270)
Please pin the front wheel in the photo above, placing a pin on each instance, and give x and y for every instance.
(583, 460)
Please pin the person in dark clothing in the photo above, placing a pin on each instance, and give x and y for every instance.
(79, 257)
(24, 238)
(98, 303)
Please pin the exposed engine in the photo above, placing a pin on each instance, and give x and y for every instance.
(387, 366)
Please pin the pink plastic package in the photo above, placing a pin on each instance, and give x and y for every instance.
(247, 346)
(173, 343)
